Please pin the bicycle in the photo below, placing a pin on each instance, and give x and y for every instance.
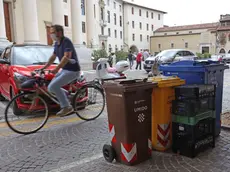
(34, 91)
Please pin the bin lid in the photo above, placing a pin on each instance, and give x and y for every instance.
(193, 66)
(167, 81)
(129, 85)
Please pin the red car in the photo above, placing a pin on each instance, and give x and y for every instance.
(16, 64)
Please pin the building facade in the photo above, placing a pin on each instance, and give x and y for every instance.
(139, 24)
(93, 23)
(213, 38)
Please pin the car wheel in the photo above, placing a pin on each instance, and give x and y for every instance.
(15, 108)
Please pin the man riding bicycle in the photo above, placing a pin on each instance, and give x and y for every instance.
(65, 51)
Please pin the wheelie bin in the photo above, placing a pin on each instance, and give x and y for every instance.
(195, 72)
(129, 118)
(162, 98)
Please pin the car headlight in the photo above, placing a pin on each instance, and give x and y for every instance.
(20, 78)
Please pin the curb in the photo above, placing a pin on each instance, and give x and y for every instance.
(225, 127)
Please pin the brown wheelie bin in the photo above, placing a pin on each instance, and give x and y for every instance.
(129, 118)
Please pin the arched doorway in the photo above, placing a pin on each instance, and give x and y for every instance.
(229, 52)
(103, 45)
(134, 49)
(222, 51)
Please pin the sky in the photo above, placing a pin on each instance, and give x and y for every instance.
(185, 12)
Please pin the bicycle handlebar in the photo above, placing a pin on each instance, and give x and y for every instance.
(40, 72)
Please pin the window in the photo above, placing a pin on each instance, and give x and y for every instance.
(65, 1)
(108, 2)
(133, 24)
(190, 31)
(140, 12)
(133, 37)
(66, 20)
(159, 46)
(132, 10)
(114, 5)
(102, 30)
(152, 15)
(120, 8)
(186, 45)
(121, 21)
(121, 48)
(165, 33)
(109, 32)
(102, 14)
(147, 14)
(159, 16)
(147, 38)
(121, 34)
(94, 10)
(115, 33)
(110, 48)
(152, 27)
(108, 15)
(140, 25)
(116, 49)
(147, 27)
(83, 27)
(83, 7)
(172, 45)
(177, 33)
(115, 19)
(140, 37)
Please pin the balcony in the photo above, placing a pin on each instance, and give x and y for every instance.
(103, 37)
(103, 23)
(102, 3)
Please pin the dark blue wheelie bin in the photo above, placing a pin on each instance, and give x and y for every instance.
(195, 72)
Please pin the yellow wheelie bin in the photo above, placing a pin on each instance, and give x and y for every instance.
(162, 98)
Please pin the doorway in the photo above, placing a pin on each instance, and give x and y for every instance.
(6, 6)
(49, 40)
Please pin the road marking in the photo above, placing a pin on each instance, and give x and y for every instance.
(77, 163)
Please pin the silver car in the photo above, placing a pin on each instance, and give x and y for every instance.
(169, 56)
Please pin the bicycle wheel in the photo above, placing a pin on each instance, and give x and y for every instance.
(89, 102)
(34, 112)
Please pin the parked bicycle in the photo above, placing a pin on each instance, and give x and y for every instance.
(36, 101)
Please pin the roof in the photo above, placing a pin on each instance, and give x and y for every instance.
(223, 28)
(188, 27)
(131, 3)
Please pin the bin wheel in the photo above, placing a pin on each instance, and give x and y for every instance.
(108, 153)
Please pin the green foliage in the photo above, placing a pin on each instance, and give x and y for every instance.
(121, 55)
(203, 56)
(97, 54)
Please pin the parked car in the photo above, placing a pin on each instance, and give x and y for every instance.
(226, 58)
(169, 56)
(16, 64)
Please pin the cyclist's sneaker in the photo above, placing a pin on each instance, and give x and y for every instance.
(65, 111)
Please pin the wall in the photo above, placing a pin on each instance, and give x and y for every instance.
(196, 39)
(18, 22)
(177, 40)
(144, 44)
(118, 41)
(44, 14)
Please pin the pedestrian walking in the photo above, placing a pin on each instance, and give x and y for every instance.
(138, 60)
(130, 57)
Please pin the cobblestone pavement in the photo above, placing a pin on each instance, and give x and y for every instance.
(69, 144)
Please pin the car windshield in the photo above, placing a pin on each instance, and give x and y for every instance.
(167, 54)
(29, 55)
